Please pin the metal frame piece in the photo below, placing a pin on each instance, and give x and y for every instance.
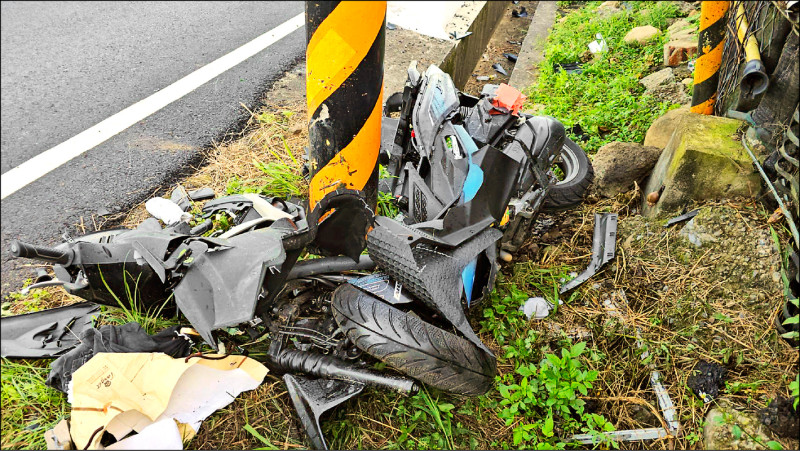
(604, 244)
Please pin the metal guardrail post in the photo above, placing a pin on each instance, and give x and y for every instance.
(709, 50)
(344, 92)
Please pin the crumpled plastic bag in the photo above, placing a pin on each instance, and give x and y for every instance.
(121, 393)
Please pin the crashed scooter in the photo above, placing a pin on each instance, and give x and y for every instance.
(469, 175)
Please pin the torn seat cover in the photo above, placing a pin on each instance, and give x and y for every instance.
(44, 334)
(222, 286)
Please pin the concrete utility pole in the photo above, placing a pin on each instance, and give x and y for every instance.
(344, 91)
(709, 50)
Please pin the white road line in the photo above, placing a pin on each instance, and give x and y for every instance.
(41, 164)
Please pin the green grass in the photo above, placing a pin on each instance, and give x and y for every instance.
(29, 406)
(606, 99)
(279, 179)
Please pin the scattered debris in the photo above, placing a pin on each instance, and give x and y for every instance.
(515, 42)
(603, 248)
(499, 68)
(598, 45)
(127, 338)
(167, 211)
(706, 380)
(459, 36)
(58, 437)
(181, 198)
(570, 68)
(391, 26)
(108, 392)
(313, 397)
(521, 13)
(47, 333)
(511, 57)
(536, 307)
(678, 219)
(201, 194)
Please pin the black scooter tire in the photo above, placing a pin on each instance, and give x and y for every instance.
(578, 177)
(427, 353)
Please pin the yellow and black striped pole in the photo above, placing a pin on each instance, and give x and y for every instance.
(344, 92)
(709, 59)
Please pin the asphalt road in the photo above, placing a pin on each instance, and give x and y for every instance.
(67, 66)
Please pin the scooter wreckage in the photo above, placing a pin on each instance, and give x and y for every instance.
(469, 176)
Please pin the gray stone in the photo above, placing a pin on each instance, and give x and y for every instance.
(659, 78)
(727, 428)
(641, 35)
(679, 25)
(617, 165)
(672, 93)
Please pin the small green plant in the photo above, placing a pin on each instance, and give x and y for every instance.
(795, 388)
(427, 421)
(548, 396)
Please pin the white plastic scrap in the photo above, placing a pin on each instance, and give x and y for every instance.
(536, 308)
(599, 45)
(167, 211)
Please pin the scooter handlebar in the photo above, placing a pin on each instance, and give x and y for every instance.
(48, 254)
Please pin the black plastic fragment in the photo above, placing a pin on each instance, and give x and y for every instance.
(202, 194)
(570, 68)
(499, 68)
(128, 337)
(521, 13)
(458, 36)
(684, 217)
(313, 397)
(511, 57)
(47, 333)
(180, 198)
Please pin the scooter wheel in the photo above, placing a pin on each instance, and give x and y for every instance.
(425, 352)
(578, 176)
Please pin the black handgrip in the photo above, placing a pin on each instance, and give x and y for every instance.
(49, 254)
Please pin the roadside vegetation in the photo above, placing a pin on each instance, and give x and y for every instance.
(606, 101)
(581, 370)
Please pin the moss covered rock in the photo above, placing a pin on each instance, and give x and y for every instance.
(703, 160)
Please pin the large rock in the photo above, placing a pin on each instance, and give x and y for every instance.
(617, 165)
(664, 76)
(660, 132)
(727, 428)
(641, 35)
(703, 160)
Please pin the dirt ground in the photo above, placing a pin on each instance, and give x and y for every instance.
(511, 29)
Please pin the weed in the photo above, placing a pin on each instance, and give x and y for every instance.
(548, 397)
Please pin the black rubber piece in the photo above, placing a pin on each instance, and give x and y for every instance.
(569, 193)
(427, 353)
(327, 265)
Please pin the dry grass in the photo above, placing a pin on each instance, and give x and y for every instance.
(274, 133)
